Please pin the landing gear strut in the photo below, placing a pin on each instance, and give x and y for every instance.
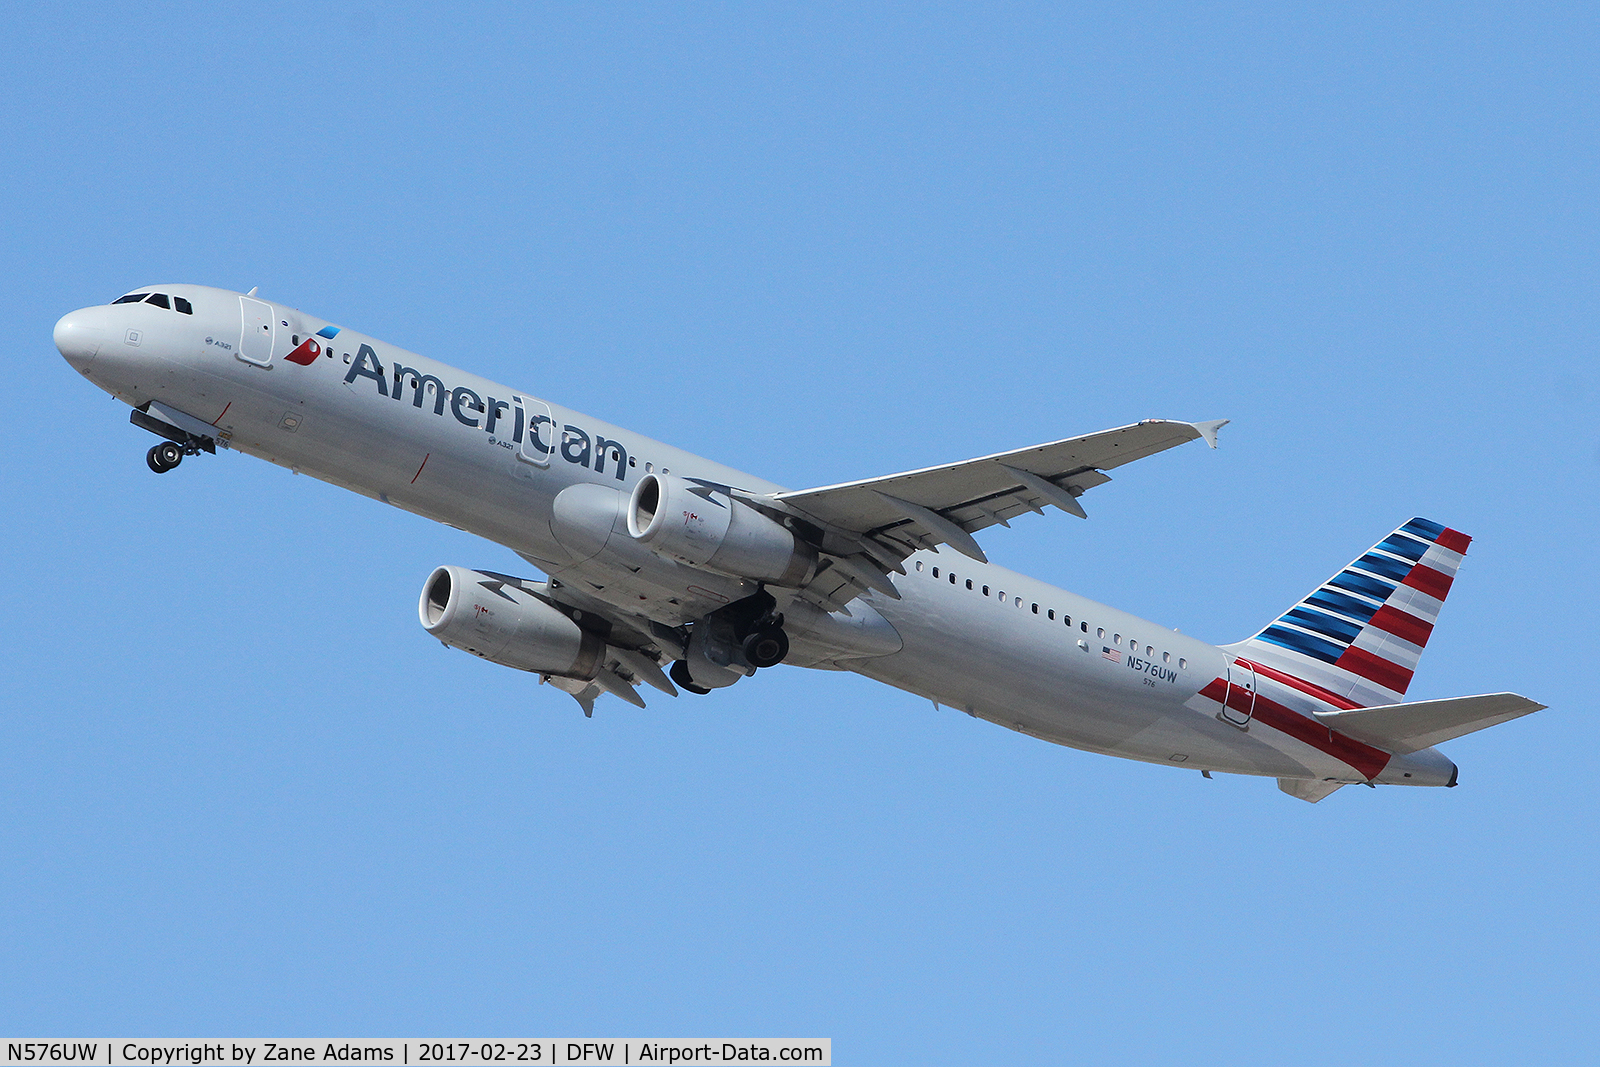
(758, 627)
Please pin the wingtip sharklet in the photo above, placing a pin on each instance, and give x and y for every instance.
(1208, 430)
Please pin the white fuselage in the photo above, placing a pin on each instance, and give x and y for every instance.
(490, 459)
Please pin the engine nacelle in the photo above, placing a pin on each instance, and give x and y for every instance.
(499, 622)
(704, 526)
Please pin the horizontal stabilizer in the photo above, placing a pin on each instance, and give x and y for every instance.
(1403, 728)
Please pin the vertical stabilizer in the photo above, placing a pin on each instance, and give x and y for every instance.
(1359, 635)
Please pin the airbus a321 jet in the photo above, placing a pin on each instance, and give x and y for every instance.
(658, 559)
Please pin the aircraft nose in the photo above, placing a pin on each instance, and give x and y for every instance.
(78, 337)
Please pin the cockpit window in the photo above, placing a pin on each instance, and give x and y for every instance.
(159, 300)
(180, 304)
(131, 298)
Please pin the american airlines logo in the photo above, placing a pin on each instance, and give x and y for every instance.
(505, 421)
(307, 351)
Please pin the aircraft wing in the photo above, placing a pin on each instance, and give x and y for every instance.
(946, 505)
(869, 526)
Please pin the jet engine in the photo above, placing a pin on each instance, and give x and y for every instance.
(703, 525)
(498, 621)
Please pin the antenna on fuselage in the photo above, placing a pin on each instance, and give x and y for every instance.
(252, 291)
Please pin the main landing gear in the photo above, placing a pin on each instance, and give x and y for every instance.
(766, 647)
(732, 643)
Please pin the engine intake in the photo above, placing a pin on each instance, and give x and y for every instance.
(704, 526)
(497, 621)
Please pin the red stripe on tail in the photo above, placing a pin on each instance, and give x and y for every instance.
(1310, 689)
(1375, 669)
(1402, 624)
(1366, 759)
(1435, 583)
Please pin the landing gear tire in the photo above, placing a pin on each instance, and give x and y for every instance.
(164, 457)
(680, 674)
(766, 648)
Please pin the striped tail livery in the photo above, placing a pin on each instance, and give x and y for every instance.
(1360, 635)
(1332, 672)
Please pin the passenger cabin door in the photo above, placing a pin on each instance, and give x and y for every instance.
(1239, 705)
(255, 331)
(540, 434)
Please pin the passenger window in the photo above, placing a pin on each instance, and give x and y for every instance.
(1084, 626)
(1116, 639)
(1068, 620)
(1016, 601)
(1183, 664)
(1052, 614)
(919, 564)
(182, 305)
(969, 583)
(1100, 632)
(1036, 609)
(952, 577)
(1166, 657)
(1149, 650)
(131, 298)
(936, 572)
(1002, 596)
(985, 590)
(159, 300)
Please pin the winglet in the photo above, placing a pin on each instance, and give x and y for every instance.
(1208, 430)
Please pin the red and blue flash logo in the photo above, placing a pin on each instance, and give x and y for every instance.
(308, 350)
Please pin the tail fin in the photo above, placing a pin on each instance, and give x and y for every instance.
(1359, 635)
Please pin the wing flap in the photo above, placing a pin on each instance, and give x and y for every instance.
(946, 504)
(1419, 724)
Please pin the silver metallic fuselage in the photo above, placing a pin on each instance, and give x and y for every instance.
(344, 418)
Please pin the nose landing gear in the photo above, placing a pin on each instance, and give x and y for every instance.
(164, 457)
(179, 442)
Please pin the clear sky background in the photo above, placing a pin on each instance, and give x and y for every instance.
(242, 793)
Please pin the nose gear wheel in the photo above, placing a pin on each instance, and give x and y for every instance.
(164, 457)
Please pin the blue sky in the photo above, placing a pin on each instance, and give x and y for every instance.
(245, 794)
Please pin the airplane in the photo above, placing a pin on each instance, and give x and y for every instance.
(669, 570)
